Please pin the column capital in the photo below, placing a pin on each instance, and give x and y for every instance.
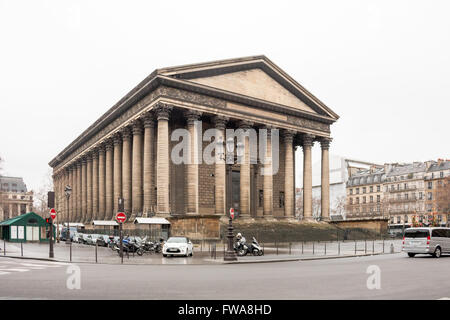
(220, 122)
(244, 124)
(89, 156)
(308, 140)
(117, 139)
(78, 164)
(163, 110)
(101, 149)
(325, 143)
(136, 126)
(94, 153)
(192, 115)
(109, 144)
(288, 136)
(83, 159)
(126, 133)
(149, 120)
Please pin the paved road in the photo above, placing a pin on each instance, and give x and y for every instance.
(345, 278)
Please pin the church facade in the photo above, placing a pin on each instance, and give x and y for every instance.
(246, 115)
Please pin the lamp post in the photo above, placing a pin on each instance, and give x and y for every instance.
(68, 192)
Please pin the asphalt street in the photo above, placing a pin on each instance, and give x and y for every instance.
(345, 278)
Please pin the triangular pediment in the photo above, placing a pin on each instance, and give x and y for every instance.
(255, 77)
(254, 83)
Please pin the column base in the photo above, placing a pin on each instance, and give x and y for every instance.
(269, 217)
(230, 256)
(309, 219)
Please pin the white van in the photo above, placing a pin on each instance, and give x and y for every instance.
(434, 241)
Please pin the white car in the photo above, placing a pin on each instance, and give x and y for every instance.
(178, 246)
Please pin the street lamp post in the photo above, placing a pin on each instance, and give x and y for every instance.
(68, 192)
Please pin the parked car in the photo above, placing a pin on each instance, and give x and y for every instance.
(180, 246)
(83, 239)
(434, 241)
(77, 237)
(92, 239)
(103, 240)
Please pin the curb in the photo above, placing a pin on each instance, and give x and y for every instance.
(34, 258)
(303, 259)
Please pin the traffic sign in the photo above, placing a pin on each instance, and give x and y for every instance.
(232, 213)
(53, 213)
(121, 217)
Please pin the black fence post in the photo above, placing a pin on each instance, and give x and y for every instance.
(313, 247)
(96, 246)
(365, 246)
(339, 248)
(276, 245)
(21, 248)
(355, 246)
(373, 246)
(325, 248)
(383, 244)
(70, 252)
(289, 248)
(302, 246)
(4, 247)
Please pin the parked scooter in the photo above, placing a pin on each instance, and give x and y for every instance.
(243, 249)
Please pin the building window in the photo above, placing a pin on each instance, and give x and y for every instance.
(364, 189)
(371, 199)
(351, 191)
(430, 196)
(281, 199)
(430, 184)
(357, 190)
(378, 188)
(371, 188)
(351, 200)
(420, 195)
(357, 200)
(405, 186)
(364, 199)
(399, 219)
(406, 196)
(441, 174)
(378, 198)
(406, 219)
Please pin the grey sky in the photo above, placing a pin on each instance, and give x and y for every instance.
(383, 66)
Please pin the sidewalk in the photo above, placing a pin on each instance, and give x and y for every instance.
(279, 252)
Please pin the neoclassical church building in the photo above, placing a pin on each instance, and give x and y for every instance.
(127, 153)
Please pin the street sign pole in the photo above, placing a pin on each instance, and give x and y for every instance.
(51, 253)
(230, 254)
(121, 244)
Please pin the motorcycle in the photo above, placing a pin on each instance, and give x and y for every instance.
(129, 246)
(243, 249)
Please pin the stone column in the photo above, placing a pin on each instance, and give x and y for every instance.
(117, 139)
(83, 189)
(136, 178)
(307, 143)
(78, 215)
(220, 166)
(109, 182)
(149, 125)
(325, 189)
(192, 167)
(126, 169)
(89, 188)
(163, 159)
(101, 183)
(289, 197)
(268, 178)
(95, 187)
(244, 204)
(74, 193)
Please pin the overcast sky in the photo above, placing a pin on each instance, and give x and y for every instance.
(383, 66)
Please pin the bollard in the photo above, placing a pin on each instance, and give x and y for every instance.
(392, 248)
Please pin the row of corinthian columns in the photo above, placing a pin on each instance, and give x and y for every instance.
(123, 166)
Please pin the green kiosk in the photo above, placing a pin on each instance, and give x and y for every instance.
(25, 228)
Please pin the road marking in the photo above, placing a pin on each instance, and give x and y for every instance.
(16, 269)
(1, 272)
(444, 298)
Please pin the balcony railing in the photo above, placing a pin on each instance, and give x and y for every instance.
(402, 190)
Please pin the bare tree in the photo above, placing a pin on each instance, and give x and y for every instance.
(316, 207)
(299, 206)
(340, 205)
(41, 194)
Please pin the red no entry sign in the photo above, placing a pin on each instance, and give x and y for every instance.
(53, 213)
(232, 213)
(121, 217)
